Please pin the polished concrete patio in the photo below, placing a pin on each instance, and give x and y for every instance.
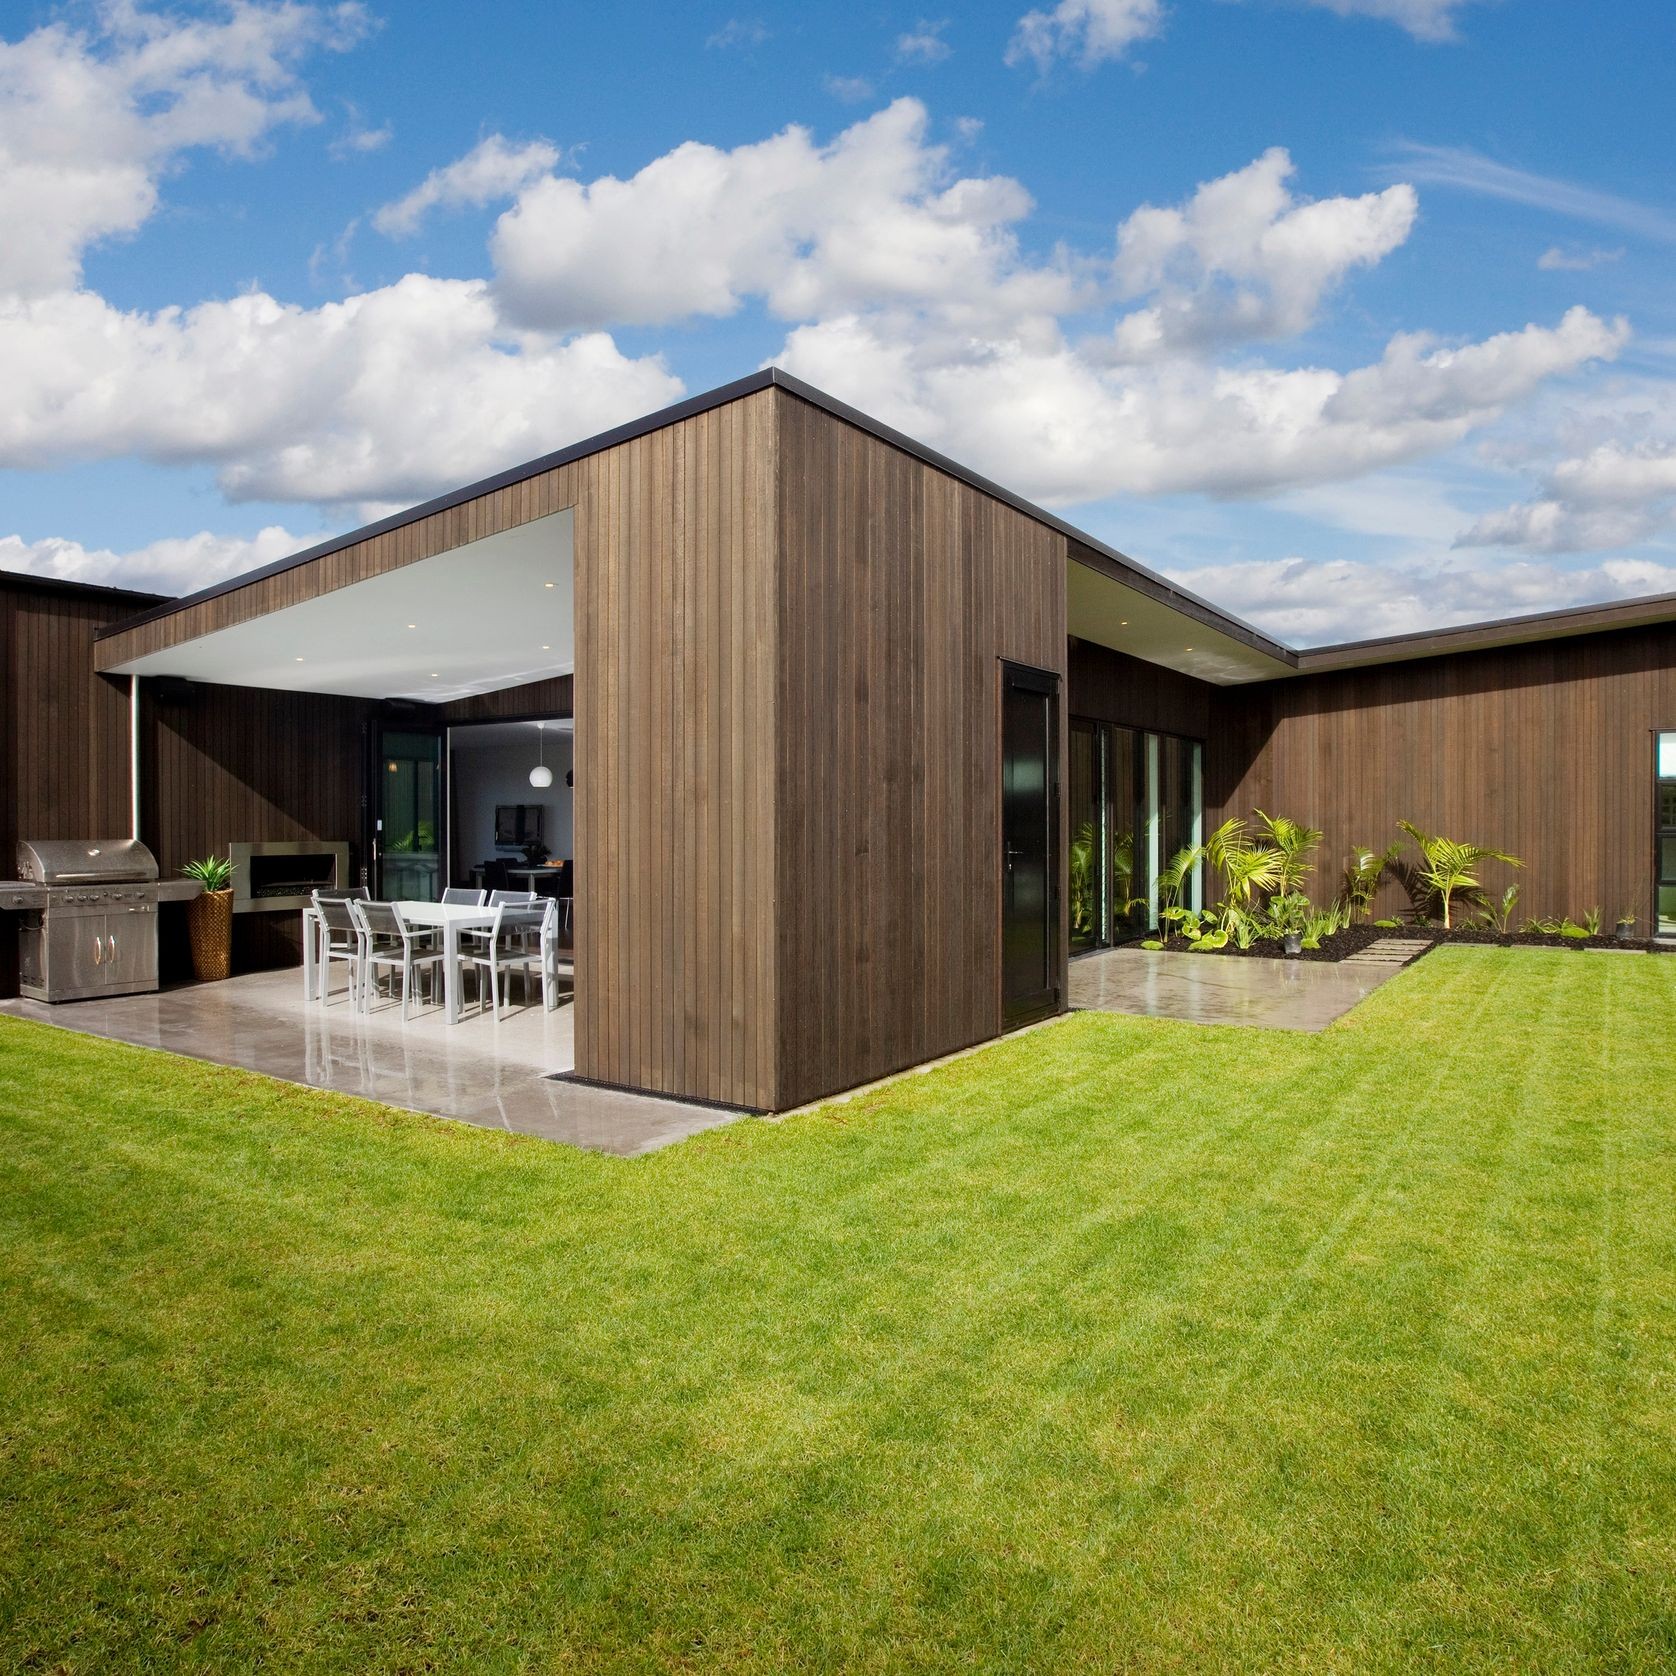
(1221, 989)
(497, 1074)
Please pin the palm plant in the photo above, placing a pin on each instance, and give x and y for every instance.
(1294, 844)
(1364, 874)
(1083, 847)
(1449, 867)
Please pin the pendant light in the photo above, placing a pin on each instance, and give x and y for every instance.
(541, 774)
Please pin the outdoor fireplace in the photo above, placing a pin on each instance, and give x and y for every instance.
(285, 874)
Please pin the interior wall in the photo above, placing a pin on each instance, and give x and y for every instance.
(901, 589)
(1545, 751)
(486, 774)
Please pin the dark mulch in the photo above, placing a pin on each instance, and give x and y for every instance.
(1357, 937)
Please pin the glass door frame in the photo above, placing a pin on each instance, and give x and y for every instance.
(379, 850)
(1144, 814)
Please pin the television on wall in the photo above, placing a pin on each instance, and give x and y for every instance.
(518, 824)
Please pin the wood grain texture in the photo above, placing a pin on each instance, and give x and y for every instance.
(1111, 686)
(63, 729)
(675, 715)
(550, 697)
(1544, 751)
(901, 590)
(221, 765)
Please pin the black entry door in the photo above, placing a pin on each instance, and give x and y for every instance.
(1029, 869)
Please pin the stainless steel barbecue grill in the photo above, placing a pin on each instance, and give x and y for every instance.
(89, 917)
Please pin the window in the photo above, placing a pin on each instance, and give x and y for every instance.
(1136, 801)
(1665, 839)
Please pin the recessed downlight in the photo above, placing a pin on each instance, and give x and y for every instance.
(547, 584)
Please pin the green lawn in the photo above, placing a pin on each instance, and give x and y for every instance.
(1120, 1346)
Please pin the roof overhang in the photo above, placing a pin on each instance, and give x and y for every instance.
(493, 613)
(1165, 626)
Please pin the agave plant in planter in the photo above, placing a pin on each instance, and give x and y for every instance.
(209, 918)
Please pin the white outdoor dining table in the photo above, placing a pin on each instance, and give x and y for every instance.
(451, 918)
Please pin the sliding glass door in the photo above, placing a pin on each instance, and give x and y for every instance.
(1135, 802)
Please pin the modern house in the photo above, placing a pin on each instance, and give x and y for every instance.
(834, 708)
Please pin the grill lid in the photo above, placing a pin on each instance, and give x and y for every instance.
(81, 861)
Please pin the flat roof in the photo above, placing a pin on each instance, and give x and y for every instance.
(1084, 549)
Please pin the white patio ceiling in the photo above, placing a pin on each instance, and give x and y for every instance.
(494, 613)
(1103, 610)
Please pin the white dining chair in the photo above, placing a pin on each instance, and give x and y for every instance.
(504, 950)
(340, 941)
(390, 943)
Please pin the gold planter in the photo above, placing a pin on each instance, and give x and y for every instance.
(209, 929)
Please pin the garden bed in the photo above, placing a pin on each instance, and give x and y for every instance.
(1342, 944)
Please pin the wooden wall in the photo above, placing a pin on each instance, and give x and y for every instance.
(552, 697)
(1111, 686)
(63, 729)
(673, 699)
(676, 650)
(221, 765)
(1541, 750)
(901, 589)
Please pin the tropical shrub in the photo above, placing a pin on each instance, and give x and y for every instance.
(1448, 868)
(1083, 849)
(1293, 845)
(1364, 874)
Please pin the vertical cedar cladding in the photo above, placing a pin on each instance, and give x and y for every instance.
(1542, 750)
(900, 590)
(676, 650)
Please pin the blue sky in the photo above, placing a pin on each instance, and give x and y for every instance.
(1354, 314)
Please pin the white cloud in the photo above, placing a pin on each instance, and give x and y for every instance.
(389, 395)
(1243, 259)
(177, 565)
(494, 168)
(1058, 427)
(1465, 170)
(90, 119)
(871, 218)
(1311, 602)
(739, 32)
(1425, 20)
(924, 43)
(357, 138)
(1558, 259)
(1089, 31)
(1615, 495)
(851, 90)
